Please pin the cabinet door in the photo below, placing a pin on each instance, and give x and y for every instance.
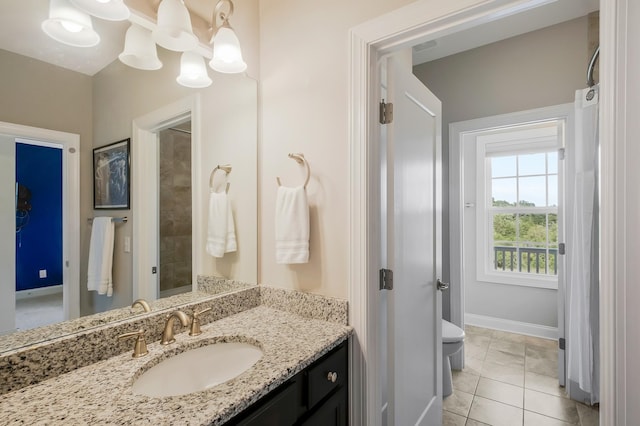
(332, 413)
(326, 375)
(280, 409)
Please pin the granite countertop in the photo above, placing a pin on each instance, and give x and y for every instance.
(101, 393)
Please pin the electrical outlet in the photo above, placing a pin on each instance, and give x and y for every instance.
(43, 273)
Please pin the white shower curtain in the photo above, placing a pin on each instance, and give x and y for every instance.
(582, 332)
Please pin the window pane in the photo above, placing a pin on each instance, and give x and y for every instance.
(503, 192)
(531, 164)
(504, 229)
(532, 191)
(503, 166)
(553, 190)
(552, 162)
(505, 253)
(532, 228)
(553, 230)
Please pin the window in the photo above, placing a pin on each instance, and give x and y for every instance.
(518, 205)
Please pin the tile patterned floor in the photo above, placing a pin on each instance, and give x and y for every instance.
(511, 379)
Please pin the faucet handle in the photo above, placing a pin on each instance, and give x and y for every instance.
(140, 347)
(195, 323)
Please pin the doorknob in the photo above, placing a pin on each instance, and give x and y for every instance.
(441, 286)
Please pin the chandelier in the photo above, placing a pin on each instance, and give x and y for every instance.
(70, 22)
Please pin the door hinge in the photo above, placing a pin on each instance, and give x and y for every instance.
(386, 112)
(561, 248)
(561, 343)
(386, 279)
(561, 154)
(154, 269)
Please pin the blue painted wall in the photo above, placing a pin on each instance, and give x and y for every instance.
(39, 243)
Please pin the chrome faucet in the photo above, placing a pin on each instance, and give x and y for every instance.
(143, 303)
(167, 334)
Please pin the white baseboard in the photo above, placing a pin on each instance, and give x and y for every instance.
(36, 292)
(529, 329)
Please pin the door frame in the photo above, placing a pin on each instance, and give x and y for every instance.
(402, 28)
(144, 153)
(70, 207)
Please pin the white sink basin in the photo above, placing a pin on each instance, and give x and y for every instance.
(197, 369)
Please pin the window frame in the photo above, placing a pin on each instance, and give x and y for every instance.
(517, 139)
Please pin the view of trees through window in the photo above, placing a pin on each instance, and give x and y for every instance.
(524, 212)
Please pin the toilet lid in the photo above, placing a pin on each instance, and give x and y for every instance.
(451, 333)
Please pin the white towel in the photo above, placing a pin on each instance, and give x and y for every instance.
(221, 232)
(99, 274)
(292, 225)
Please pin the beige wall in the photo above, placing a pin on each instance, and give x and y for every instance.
(304, 86)
(534, 70)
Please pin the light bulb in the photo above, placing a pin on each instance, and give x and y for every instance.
(72, 27)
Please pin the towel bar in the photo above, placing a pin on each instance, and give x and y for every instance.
(113, 219)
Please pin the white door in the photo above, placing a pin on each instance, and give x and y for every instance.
(414, 251)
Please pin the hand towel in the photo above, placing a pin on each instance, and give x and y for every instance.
(292, 225)
(99, 275)
(221, 234)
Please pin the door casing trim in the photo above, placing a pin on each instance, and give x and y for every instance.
(402, 28)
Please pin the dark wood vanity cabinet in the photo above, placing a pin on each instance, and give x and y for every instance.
(318, 395)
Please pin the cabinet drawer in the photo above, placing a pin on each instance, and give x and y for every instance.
(321, 376)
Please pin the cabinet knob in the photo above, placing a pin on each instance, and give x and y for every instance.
(332, 376)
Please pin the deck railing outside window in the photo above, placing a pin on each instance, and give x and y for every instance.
(526, 259)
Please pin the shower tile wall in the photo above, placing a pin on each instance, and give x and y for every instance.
(175, 210)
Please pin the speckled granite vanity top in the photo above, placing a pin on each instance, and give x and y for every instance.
(101, 393)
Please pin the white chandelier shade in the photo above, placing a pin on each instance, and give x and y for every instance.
(69, 25)
(173, 30)
(140, 50)
(70, 22)
(227, 55)
(193, 71)
(110, 10)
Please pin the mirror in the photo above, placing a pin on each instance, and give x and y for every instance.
(101, 109)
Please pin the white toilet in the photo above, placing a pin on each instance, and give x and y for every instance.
(452, 341)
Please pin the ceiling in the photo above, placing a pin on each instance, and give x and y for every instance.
(554, 12)
(20, 31)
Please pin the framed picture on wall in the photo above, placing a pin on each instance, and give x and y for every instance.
(111, 176)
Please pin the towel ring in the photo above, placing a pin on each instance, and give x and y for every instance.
(299, 157)
(225, 168)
